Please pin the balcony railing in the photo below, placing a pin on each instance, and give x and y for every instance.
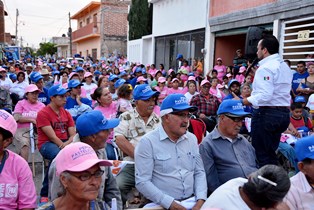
(89, 30)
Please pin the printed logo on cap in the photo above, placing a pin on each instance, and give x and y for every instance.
(59, 88)
(104, 121)
(237, 107)
(311, 148)
(5, 116)
(146, 89)
(84, 150)
(182, 100)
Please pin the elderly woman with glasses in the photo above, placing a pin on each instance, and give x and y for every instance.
(78, 168)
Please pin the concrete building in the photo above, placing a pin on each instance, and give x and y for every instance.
(63, 46)
(178, 27)
(290, 21)
(101, 28)
(217, 28)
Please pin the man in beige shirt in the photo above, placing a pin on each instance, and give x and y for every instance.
(133, 125)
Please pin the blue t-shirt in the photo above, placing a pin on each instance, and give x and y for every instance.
(72, 103)
(43, 97)
(297, 77)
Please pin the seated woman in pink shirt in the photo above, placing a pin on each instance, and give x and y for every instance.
(175, 87)
(162, 89)
(214, 89)
(17, 188)
(109, 109)
(25, 113)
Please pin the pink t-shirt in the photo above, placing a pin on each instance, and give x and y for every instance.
(17, 188)
(179, 90)
(240, 78)
(125, 104)
(163, 94)
(87, 90)
(214, 92)
(110, 112)
(222, 70)
(27, 109)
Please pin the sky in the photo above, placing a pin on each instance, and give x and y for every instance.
(40, 20)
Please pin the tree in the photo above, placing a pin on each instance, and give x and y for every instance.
(47, 48)
(140, 19)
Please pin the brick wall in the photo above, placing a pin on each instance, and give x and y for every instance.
(115, 18)
(223, 7)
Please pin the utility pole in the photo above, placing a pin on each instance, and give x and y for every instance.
(70, 35)
(16, 25)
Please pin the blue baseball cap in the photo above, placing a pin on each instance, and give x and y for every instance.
(55, 72)
(233, 81)
(56, 90)
(96, 122)
(299, 99)
(232, 108)
(35, 77)
(79, 69)
(119, 82)
(304, 148)
(143, 71)
(74, 83)
(179, 56)
(175, 103)
(97, 72)
(138, 69)
(123, 73)
(112, 77)
(13, 76)
(191, 74)
(143, 92)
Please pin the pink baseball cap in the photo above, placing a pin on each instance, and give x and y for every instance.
(242, 69)
(141, 78)
(72, 74)
(3, 69)
(205, 81)
(31, 88)
(7, 122)
(191, 78)
(175, 79)
(77, 157)
(161, 80)
(170, 71)
(87, 74)
(229, 75)
(219, 59)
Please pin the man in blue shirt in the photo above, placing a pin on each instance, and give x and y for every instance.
(298, 76)
(75, 104)
(37, 79)
(226, 153)
(233, 87)
(168, 167)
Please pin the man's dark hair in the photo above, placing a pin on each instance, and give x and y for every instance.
(295, 105)
(271, 43)
(307, 161)
(5, 134)
(301, 62)
(214, 71)
(288, 61)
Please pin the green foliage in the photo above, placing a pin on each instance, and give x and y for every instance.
(46, 48)
(140, 19)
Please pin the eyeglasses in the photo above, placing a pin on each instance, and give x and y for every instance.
(87, 175)
(235, 119)
(183, 116)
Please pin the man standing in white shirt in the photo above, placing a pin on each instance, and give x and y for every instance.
(301, 193)
(270, 99)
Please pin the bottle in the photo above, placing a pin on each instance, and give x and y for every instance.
(114, 204)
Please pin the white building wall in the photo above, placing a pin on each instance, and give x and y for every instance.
(135, 50)
(176, 16)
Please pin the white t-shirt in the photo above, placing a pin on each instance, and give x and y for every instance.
(189, 96)
(19, 88)
(227, 196)
(89, 89)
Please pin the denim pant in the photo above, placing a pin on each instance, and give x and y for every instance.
(111, 154)
(49, 151)
(288, 151)
(267, 126)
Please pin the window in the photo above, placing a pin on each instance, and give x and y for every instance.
(87, 20)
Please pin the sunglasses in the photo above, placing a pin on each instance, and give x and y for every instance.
(235, 119)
